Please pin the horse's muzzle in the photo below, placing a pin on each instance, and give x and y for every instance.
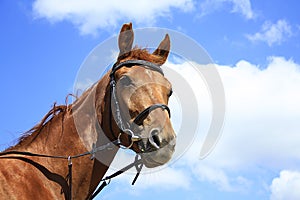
(155, 151)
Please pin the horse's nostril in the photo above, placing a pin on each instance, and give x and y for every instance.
(154, 138)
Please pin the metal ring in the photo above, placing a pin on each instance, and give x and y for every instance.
(121, 145)
(134, 138)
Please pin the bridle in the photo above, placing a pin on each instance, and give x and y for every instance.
(125, 127)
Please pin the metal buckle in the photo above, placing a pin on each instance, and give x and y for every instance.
(133, 138)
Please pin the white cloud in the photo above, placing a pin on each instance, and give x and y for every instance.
(215, 176)
(242, 7)
(91, 15)
(262, 112)
(286, 186)
(261, 128)
(272, 33)
(169, 178)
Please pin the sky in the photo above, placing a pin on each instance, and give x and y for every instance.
(255, 46)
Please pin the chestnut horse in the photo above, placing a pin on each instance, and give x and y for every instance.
(126, 108)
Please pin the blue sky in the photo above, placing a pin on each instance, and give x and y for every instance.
(255, 45)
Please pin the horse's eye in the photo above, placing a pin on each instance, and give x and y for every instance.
(125, 81)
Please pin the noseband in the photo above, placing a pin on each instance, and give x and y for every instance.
(123, 125)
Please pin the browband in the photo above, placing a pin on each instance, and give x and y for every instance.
(130, 63)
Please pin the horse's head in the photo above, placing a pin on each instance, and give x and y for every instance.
(142, 93)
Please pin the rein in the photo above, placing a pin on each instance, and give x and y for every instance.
(125, 127)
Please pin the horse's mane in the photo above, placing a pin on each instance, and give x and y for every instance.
(56, 109)
(34, 131)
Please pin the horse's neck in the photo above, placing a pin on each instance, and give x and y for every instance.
(74, 131)
(91, 116)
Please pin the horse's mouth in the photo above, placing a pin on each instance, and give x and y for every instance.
(158, 157)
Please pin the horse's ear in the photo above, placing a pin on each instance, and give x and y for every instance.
(125, 40)
(163, 49)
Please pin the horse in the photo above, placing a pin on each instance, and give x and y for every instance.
(67, 154)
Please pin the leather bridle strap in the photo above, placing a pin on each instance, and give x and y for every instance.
(130, 63)
(144, 114)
